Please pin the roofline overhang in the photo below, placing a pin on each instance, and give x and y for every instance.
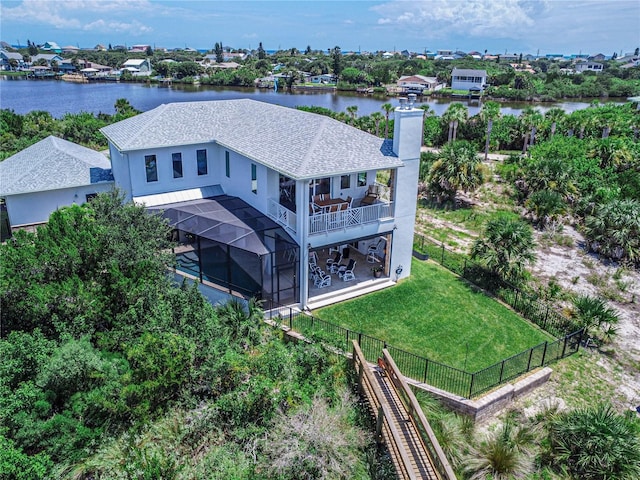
(28, 192)
(252, 158)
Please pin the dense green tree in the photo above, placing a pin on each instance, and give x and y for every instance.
(261, 53)
(456, 114)
(337, 62)
(614, 230)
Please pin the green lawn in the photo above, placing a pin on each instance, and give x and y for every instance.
(435, 314)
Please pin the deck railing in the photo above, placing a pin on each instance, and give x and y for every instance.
(343, 219)
(282, 215)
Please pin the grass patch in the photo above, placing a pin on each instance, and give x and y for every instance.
(472, 219)
(438, 315)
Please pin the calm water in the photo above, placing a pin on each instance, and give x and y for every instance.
(58, 98)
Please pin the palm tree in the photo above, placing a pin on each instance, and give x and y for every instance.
(554, 115)
(595, 443)
(377, 118)
(490, 111)
(595, 316)
(456, 113)
(352, 111)
(530, 119)
(502, 455)
(388, 108)
(506, 247)
(458, 168)
(614, 230)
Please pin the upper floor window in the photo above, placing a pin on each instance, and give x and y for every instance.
(345, 182)
(362, 179)
(227, 165)
(151, 167)
(254, 178)
(202, 162)
(177, 165)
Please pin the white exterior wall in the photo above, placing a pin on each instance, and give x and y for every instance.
(407, 140)
(466, 85)
(30, 208)
(120, 170)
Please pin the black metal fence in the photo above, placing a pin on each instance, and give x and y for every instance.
(422, 369)
(527, 304)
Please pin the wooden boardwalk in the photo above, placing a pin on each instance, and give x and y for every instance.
(400, 423)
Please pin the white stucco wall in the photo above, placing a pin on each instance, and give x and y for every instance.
(27, 209)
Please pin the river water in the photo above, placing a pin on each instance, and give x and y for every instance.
(59, 97)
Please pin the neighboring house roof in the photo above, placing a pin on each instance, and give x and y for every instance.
(10, 55)
(224, 65)
(299, 144)
(419, 79)
(53, 164)
(463, 72)
(134, 62)
(46, 56)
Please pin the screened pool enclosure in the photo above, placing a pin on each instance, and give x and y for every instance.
(227, 243)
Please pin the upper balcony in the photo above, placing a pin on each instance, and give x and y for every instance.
(327, 214)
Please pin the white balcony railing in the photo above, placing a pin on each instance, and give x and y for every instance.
(328, 222)
(282, 215)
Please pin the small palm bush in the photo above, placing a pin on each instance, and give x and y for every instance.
(595, 316)
(595, 444)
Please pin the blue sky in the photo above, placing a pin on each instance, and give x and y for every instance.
(515, 26)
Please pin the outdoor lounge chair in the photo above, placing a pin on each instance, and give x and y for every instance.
(323, 280)
(374, 252)
(343, 269)
(337, 259)
(372, 195)
(348, 274)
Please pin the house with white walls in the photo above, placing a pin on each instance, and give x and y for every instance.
(261, 197)
(468, 79)
(50, 174)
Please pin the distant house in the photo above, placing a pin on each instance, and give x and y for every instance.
(323, 78)
(232, 56)
(139, 48)
(225, 65)
(5, 57)
(140, 66)
(48, 175)
(51, 47)
(588, 67)
(599, 57)
(418, 84)
(67, 66)
(100, 48)
(475, 55)
(466, 79)
(48, 57)
(70, 50)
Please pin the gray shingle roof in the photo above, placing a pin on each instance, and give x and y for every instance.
(465, 72)
(52, 164)
(296, 143)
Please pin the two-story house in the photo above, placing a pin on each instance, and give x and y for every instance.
(10, 60)
(466, 79)
(262, 196)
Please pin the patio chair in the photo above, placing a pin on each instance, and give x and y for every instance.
(337, 259)
(349, 201)
(313, 258)
(323, 280)
(374, 252)
(348, 274)
(346, 267)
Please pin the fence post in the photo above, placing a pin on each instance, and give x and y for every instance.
(515, 300)
(442, 255)
(360, 339)
(426, 368)
(544, 353)
(291, 319)
(529, 362)
(379, 421)
(464, 268)
(501, 371)
(473, 377)
(564, 347)
(579, 339)
(546, 315)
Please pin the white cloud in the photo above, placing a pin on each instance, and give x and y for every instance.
(441, 18)
(133, 28)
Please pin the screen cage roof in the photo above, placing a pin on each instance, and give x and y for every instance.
(228, 220)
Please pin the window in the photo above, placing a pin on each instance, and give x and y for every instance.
(177, 165)
(362, 179)
(254, 178)
(151, 168)
(90, 196)
(345, 182)
(202, 162)
(227, 165)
